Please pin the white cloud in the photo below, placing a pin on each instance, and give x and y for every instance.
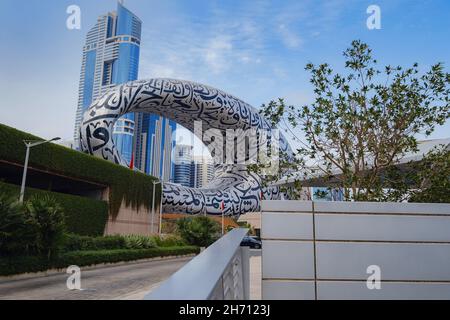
(289, 38)
(217, 53)
(279, 72)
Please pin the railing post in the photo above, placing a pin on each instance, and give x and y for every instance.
(245, 261)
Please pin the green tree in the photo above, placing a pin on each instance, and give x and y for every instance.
(199, 231)
(363, 122)
(49, 217)
(431, 177)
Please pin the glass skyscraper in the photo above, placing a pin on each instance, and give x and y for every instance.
(202, 171)
(155, 140)
(110, 57)
(183, 159)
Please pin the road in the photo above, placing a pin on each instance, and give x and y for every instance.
(128, 281)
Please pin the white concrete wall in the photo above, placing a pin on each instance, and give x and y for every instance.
(321, 250)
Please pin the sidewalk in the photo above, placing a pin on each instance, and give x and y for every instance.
(255, 275)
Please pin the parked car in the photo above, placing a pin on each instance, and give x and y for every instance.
(251, 242)
(256, 238)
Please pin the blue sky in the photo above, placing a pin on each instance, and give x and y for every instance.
(255, 50)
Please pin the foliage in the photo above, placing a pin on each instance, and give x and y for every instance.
(169, 241)
(134, 241)
(83, 216)
(169, 226)
(199, 230)
(133, 187)
(74, 242)
(49, 217)
(23, 264)
(363, 122)
(18, 230)
(431, 178)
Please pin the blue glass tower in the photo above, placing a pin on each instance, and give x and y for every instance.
(110, 57)
(183, 160)
(155, 140)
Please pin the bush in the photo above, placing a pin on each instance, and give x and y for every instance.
(170, 241)
(139, 242)
(18, 230)
(49, 217)
(73, 242)
(85, 258)
(199, 231)
(23, 264)
(83, 215)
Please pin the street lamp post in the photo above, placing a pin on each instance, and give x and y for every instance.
(162, 182)
(29, 144)
(153, 204)
(160, 209)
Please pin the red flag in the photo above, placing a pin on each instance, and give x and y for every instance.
(222, 205)
(132, 162)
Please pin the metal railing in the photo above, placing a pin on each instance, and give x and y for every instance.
(221, 272)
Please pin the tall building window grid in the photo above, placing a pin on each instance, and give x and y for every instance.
(202, 171)
(110, 57)
(183, 159)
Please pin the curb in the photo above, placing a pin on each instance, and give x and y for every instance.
(52, 272)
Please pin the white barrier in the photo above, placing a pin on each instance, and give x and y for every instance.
(328, 250)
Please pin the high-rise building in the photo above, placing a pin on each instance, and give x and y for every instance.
(183, 159)
(110, 57)
(155, 140)
(202, 171)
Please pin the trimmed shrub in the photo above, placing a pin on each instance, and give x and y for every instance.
(73, 242)
(23, 264)
(83, 216)
(86, 258)
(17, 265)
(135, 188)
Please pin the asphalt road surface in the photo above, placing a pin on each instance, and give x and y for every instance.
(129, 281)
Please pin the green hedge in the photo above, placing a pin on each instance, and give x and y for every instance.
(18, 265)
(83, 216)
(73, 242)
(133, 187)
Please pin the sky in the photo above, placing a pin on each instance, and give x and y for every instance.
(256, 50)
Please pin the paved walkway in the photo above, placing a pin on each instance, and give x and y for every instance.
(128, 281)
(255, 275)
